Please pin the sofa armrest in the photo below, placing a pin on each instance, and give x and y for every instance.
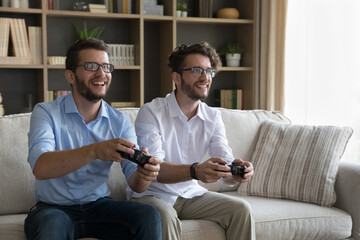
(348, 193)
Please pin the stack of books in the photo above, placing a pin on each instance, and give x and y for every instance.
(229, 98)
(97, 8)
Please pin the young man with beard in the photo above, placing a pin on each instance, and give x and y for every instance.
(73, 142)
(180, 130)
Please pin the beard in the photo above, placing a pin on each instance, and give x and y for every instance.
(191, 93)
(86, 92)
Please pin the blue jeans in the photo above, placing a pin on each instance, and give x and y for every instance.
(105, 219)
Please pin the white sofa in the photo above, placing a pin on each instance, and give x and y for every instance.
(275, 218)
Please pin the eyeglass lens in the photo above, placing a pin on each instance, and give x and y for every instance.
(197, 72)
(92, 66)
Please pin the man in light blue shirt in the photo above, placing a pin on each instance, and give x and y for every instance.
(181, 130)
(73, 142)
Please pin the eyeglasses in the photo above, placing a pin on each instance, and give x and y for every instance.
(93, 66)
(197, 71)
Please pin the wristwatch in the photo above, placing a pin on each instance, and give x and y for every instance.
(192, 171)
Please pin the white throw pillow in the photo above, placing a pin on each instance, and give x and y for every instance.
(298, 162)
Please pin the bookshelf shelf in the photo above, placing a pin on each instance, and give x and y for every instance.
(21, 10)
(78, 14)
(213, 20)
(29, 66)
(153, 36)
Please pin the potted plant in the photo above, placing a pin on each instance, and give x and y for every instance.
(84, 33)
(232, 53)
(178, 9)
(181, 9)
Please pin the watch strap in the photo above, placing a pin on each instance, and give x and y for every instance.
(192, 171)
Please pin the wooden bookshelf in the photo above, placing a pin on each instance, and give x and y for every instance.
(154, 38)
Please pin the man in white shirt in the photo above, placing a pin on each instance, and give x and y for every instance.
(180, 130)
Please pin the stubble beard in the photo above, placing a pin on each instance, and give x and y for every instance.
(191, 93)
(86, 92)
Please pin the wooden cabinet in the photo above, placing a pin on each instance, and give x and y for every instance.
(154, 38)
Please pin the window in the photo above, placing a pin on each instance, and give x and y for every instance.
(322, 66)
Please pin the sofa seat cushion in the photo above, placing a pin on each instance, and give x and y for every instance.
(289, 219)
(201, 230)
(12, 228)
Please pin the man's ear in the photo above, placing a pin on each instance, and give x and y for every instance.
(176, 77)
(70, 76)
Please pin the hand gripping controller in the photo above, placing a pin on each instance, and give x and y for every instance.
(138, 157)
(236, 170)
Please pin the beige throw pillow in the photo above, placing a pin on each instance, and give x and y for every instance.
(298, 162)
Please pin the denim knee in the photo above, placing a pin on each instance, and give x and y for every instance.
(48, 223)
(150, 223)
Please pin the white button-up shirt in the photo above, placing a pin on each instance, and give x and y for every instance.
(164, 129)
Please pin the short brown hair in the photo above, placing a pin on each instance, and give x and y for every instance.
(177, 57)
(72, 55)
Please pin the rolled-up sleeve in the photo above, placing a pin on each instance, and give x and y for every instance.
(219, 144)
(41, 137)
(148, 132)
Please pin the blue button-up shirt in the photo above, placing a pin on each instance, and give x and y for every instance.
(57, 126)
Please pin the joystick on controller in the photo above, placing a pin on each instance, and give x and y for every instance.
(138, 157)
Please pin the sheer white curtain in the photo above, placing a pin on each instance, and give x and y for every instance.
(322, 65)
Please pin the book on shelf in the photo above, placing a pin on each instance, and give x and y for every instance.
(4, 38)
(121, 6)
(122, 54)
(35, 43)
(122, 104)
(229, 98)
(203, 8)
(124, 6)
(52, 4)
(23, 37)
(54, 94)
(98, 10)
(49, 4)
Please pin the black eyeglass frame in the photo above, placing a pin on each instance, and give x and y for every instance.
(210, 72)
(85, 65)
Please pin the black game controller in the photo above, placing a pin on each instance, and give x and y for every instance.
(138, 157)
(236, 169)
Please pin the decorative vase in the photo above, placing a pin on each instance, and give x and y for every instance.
(184, 13)
(178, 13)
(233, 59)
(232, 13)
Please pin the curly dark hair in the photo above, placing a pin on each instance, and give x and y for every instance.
(72, 55)
(177, 57)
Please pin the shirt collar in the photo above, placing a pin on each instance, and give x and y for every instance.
(175, 110)
(70, 107)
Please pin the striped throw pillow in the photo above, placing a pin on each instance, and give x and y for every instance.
(298, 162)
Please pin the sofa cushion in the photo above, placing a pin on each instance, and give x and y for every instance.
(297, 162)
(16, 178)
(242, 131)
(288, 219)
